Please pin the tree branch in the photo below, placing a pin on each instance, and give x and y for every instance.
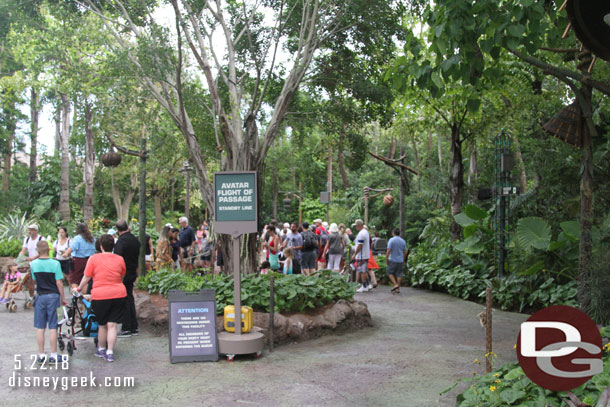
(393, 163)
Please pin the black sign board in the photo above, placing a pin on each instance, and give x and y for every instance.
(192, 326)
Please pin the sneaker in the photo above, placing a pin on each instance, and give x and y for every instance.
(135, 333)
(362, 289)
(60, 358)
(100, 353)
(109, 357)
(40, 360)
(4, 300)
(124, 334)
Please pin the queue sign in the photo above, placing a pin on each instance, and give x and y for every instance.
(235, 201)
(192, 326)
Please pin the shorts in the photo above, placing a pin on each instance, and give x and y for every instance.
(66, 265)
(362, 266)
(396, 269)
(45, 311)
(334, 261)
(186, 255)
(111, 310)
(78, 270)
(296, 266)
(308, 260)
(206, 257)
(148, 257)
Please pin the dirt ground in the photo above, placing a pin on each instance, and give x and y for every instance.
(421, 343)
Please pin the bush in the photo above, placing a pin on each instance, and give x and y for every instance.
(10, 248)
(293, 293)
(509, 385)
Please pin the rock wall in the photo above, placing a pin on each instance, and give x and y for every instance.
(338, 317)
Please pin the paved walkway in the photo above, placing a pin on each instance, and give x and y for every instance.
(421, 343)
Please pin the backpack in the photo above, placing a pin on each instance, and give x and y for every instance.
(89, 322)
(309, 241)
(40, 237)
(323, 237)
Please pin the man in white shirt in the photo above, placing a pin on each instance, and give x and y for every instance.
(361, 256)
(30, 242)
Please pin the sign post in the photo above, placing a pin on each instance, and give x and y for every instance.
(236, 213)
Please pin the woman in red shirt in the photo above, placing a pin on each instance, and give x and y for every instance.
(108, 295)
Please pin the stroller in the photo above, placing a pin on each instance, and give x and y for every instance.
(25, 285)
(67, 332)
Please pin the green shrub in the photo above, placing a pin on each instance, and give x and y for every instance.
(293, 293)
(509, 386)
(10, 248)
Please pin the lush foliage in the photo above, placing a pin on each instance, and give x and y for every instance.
(10, 247)
(293, 293)
(508, 386)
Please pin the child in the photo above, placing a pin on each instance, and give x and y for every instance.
(50, 288)
(11, 279)
(265, 266)
(288, 254)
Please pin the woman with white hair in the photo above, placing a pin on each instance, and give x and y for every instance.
(334, 247)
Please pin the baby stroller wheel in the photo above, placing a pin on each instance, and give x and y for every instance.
(27, 305)
(61, 344)
(13, 307)
(70, 348)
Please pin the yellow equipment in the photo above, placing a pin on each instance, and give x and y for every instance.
(246, 318)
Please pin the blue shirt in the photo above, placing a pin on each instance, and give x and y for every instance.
(82, 248)
(397, 247)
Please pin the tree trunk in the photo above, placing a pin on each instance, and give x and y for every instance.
(122, 205)
(440, 151)
(340, 160)
(520, 164)
(34, 113)
(456, 180)
(58, 128)
(473, 169)
(172, 196)
(89, 166)
(142, 201)
(158, 211)
(64, 183)
(8, 155)
(417, 163)
(274, 192)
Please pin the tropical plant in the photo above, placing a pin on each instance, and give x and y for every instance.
(15, 226)
(10, 248)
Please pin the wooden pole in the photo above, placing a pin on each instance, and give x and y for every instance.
(271, 310)
(300, 200)
(488, 333)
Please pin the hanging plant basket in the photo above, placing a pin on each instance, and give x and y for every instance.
(388, 200)
(111, 159)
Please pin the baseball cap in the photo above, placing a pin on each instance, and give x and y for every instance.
(317, 221)
(358, 222)
(286, 225)
(33, 226)
(325, 224)
(111, 232)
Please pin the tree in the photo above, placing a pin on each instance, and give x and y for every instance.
(248, 76)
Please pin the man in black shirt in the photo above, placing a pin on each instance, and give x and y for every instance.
(188, 240)
(128, 247)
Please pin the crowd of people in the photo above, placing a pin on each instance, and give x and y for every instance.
(106, 268)
(302, 248)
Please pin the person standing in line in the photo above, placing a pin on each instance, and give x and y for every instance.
(108, 295)
(61, 246)
(397, 256)
(47, 274)
(310, 244)
(273, 247)
(128, 247)
(188, 243)
(361, 256)
(175, 244)
(334, 248)
(294, 240)
(164, 249)
(81, 248)
(30, 243)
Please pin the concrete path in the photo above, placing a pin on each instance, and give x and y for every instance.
(421, 343)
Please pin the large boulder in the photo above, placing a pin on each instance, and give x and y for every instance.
(337, 317)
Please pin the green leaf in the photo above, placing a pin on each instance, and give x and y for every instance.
(470, 230)
(463, 220)
(534, 232)
(510, 396)
(473, 105)
(474, 212)
(514, 373)
(571, 229)
(436, 79)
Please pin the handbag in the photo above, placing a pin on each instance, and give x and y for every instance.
(274, 261)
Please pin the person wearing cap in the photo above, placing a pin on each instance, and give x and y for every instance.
(30, 242)
(334, 248)
(361, 256)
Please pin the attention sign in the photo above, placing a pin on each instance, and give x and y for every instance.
(192, 326)
(235, 202)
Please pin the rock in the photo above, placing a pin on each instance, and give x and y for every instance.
(340, 316)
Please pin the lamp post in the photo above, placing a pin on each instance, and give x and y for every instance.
(187, 171)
